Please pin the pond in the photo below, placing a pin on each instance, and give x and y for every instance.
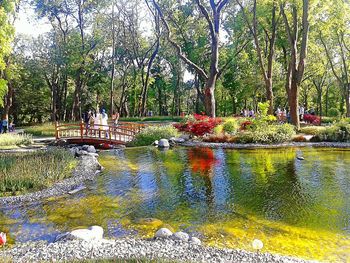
(226, 197)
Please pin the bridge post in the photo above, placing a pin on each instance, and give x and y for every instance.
(81, 130)
(56, 130)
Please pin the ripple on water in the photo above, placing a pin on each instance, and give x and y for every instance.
(227, 197)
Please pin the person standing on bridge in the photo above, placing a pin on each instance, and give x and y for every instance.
(104, 122)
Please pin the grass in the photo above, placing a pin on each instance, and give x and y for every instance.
(21, 173)
(11, 140)
(42, 130)
(154, 118)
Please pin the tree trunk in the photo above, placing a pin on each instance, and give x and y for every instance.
(293, 104)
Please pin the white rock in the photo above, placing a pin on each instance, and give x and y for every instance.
(94, 233)
(195, 240)
(163, 233)
(163, 143)
(156, 143)
(181, 236)
(91, 149)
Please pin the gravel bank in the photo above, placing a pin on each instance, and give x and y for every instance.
(87, 168)
(265, 146)
(129, 248)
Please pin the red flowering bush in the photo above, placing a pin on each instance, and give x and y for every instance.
(313, 119)
(244, 125)
(198, 125)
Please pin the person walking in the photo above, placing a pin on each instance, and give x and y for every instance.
(5, 124)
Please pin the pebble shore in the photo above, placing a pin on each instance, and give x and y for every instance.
(130, 248)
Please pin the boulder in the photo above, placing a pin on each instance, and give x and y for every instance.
(91, 149)
(93, 154)
(195, 240)
(94, 233)
(74, 150)
(85, 147)
(163, 233)
(163, 143)
(181, 236)
(186, 137)
(179, 140)
(81, 152)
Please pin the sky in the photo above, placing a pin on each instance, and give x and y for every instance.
(28, 24)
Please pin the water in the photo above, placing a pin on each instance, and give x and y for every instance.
(227, 197)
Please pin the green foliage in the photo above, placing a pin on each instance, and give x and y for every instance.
(263, 119)
(268, 134)
(339, 132)
(34, 171)
(152, 133)
(10, 139)
(311, 130)
(218, 129)
(230, 126)
(333, 112)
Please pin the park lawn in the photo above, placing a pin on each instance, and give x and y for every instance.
(41, 130)
(26, 172)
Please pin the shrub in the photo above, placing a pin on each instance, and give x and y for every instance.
(245, 125)
(219, 138)
(299, 138)
(311, 130)
(316, 120)
(268, 134)
(10, 139)
(328, 120)
(333, 112)
(34, 171)
(230, 126)
(152, 133)
(218, 129)
(336, 133)
(198, 124)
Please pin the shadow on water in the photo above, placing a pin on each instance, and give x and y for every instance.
(227, 197)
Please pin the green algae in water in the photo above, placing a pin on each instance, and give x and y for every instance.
(228, 197)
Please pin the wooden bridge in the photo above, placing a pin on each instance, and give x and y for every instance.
(98, 135)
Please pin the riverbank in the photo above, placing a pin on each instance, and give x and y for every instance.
(131, 248)
(87, 168)
(265, 146)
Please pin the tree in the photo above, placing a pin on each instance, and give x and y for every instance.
(269, 38)
(212, 75)
(297, 60)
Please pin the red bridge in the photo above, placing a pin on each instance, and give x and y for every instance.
(99, 135)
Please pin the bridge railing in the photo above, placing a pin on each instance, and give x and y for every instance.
(123, 132)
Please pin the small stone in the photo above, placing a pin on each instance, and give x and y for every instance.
(163, 233)
(300, 158)
(181, 236)
(163, 143)
(195, 240)
(76, 190)
(156, 143)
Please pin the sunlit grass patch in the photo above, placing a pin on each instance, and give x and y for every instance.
(33, 171)
(8, 140)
